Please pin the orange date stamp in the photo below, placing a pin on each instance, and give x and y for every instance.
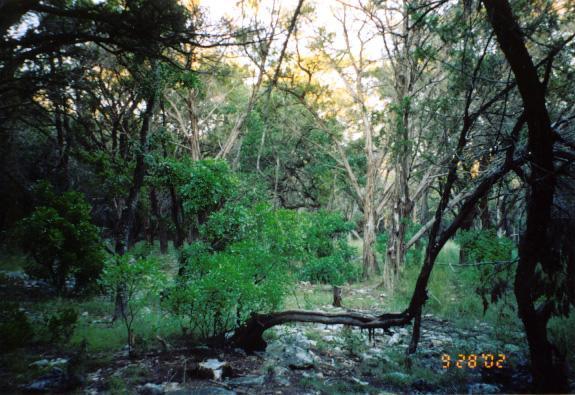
(473, 361)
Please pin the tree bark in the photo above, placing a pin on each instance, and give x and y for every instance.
(369, 258)
(249, 335)
(336, 296)
(402, 206)
(160, 221)
(123, 233)
(548, 373)
(124, 229)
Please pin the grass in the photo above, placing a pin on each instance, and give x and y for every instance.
(562, 335)
(451, 288)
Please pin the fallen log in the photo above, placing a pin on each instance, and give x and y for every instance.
(249, 336)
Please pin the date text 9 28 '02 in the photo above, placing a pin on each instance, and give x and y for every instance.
(473, 361)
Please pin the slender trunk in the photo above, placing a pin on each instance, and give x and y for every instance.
(194, 135)
(466, 225)
(175, 210)
(485, 214)
(336, 296)
(160, 221)
(369, 258)
(123, 233)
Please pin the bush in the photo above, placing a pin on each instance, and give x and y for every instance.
(62, 241)
(483, 245)
(329, 257)
(15, 329)
(221, 290)
(137, 280)
(61, 324)
(333, 270)
(494, 283)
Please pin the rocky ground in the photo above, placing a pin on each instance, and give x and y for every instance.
(310, 358)
(300, 358)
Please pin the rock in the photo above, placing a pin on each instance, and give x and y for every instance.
(278, 374)
(358, 381)
(56, 381)
(152, 389)
(171, 387)
(220, 369)
(300, 359)
(282, 380)
(203, 391)
(49, 362)
(437, 343)
(247, 380)
(482, 388)
(395, 339)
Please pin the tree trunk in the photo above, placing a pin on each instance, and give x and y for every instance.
(466, 224)
(484, 213)
(249, 335)
(160, 221)
(123, 233)
(548, 373)
(402, 207)
(369, 258)
(175, 210)
(336, 296)
(194, 135)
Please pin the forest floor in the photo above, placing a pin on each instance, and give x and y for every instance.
(299, 359)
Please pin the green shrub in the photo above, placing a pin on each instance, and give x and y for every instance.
(61, 324)
(137, 280)
(332, 269)
(483, 245)
(207, 186)
(329, 257)
(15, 329)
(221, 290)
(61, 240)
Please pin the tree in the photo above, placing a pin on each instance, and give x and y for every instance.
(547, 367)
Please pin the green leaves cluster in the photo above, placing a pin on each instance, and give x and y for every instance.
(61, 239)
(135, 281)
(247, 261)
(219, 291)
(483, 245)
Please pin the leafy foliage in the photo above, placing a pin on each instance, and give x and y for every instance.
(220, 290)
(483, 245)
(136, 280)
(247, 260)
(61, 324)
(61, 239)
(15, 329)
